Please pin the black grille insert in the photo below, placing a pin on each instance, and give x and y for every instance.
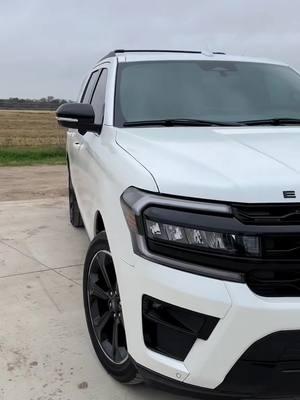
(274, 283)
(280, 246)
(268, 214)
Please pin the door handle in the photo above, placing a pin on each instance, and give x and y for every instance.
(77, 144)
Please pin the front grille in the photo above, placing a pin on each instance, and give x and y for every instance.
(274, 283)
(280, 248)
(268, 214)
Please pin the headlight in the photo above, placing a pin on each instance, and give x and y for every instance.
(194, 236)
(203, 239)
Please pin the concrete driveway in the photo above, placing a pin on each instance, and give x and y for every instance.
(45, 351)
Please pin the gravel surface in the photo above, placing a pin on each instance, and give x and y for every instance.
(36, 182)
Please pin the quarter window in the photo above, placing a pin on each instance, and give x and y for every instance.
(98, 99)
(86, 97)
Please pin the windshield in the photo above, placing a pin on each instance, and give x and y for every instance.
(205, 90)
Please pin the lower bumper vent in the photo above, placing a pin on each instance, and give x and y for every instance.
(269, 368)
(172, 330)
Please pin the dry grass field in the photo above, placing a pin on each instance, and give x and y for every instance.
(30, 138)
(30, 129)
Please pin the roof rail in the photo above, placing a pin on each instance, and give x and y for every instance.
(118, 51)
(110, 54)
(157, 51)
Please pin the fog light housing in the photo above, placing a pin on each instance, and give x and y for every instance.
(172, 330)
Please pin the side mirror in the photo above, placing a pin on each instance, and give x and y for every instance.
(77, 116)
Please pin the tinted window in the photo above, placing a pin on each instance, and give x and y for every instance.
(98, 100)
(207, 90)
(90, 87)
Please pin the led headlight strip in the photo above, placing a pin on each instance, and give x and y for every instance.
(230, 243)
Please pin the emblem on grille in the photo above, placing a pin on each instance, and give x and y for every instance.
(289, 194)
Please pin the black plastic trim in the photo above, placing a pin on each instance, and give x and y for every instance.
(180, 388)
(267, 214)
(233, 264)
(172, 330)
(157, 51)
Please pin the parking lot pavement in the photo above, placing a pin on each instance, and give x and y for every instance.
(45, 351)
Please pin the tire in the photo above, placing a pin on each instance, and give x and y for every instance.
(104, 313)
(74, 212)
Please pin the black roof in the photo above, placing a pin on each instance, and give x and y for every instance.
(120, 51)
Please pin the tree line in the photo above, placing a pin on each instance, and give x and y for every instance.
(46, 103)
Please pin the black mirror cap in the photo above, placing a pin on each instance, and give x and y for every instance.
(78, 116)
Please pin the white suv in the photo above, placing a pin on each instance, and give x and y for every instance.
(184, 169)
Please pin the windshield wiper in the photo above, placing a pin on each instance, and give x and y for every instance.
(272, 121)
(180, 122)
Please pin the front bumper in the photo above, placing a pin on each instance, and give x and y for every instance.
(244, 317)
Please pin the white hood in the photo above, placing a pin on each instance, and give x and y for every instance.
(249, 164)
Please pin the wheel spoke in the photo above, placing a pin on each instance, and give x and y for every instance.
(102, 321)
(101, 261)
(96, 291)
(115, 340)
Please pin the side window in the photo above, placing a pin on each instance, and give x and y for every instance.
(98, 99)
(86, 97)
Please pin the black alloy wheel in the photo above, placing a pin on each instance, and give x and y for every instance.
(103, 309)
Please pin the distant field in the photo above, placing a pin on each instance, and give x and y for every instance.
(30, 129)
(17, 156)
(30, 137)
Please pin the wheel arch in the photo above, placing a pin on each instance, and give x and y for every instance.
(98, 223)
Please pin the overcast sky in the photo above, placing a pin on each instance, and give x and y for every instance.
(47, 46)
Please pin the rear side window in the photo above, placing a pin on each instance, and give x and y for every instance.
(88, 91)
(98, 99)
